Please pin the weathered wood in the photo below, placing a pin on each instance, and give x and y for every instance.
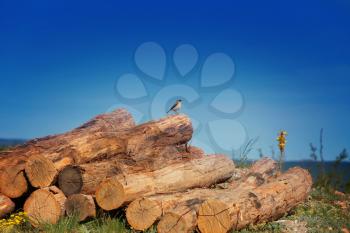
(85, 178)
(81, 205)
(267, 202)
(183, 217)
(74, 145)
(260, 172)
(152, 144)
(45, 205)
(179, 208)
(6, 205)
(203, 172)
(81, 144)
(12, 181)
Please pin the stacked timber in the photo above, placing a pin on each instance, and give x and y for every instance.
(148, 169)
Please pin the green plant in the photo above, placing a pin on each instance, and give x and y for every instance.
(281, 144)
(244, 151)
(330, 179)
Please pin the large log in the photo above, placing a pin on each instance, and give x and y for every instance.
(270, 201)
(203, 172)
(6, 205)
(45, 205)
(83, 206)
(73, 144)
(183, 217)
(180, 208)
(81, 144)
(12, 181)
(85, 178)
(149, 145)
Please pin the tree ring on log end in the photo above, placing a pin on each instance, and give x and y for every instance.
(70, 180)
(142, 213)
(214, 217)
(42, 207)
(110, 194)
(13, 182)
(41, 171)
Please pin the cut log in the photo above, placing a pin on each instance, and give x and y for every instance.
(40, 171)
(45, 205)
(85, 178)
(179, 208)
(6, 205)
(203, 172)
(81, 144)
(83, 206)
(149, 145)
(183, 218)
(12, 181)
(267, 202)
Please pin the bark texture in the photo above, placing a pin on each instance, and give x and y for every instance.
(85, 178)
(179, 208)
(81, 205)
(81, 144)
(203, 172)
(270, 201)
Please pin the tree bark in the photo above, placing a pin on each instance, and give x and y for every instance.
(203, 172)
(270, 201)
(85, 178)
(45, 205)
(183, 218)
(76, 145)
(180, 208)
(81, 205)
(6, 205)
(80, 144)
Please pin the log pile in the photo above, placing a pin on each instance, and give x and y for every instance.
(150, 171)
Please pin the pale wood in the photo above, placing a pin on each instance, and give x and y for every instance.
(45, 205)
(40, 171)
(270, 201)
(179, 208)
(6, 205)
(85, 178)
(12, 181)
(81, 205)
(203, 172)
(183, 217)
(150, 145)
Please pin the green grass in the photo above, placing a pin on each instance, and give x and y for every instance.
(320, 214)
(102, 224)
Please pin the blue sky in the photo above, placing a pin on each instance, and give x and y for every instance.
(59, 61)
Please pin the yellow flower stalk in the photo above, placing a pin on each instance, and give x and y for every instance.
(282, 144)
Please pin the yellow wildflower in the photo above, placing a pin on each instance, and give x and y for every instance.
(282, 140)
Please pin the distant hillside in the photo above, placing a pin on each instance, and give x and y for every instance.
(10, 142)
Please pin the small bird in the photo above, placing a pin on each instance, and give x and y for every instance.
(176, 107)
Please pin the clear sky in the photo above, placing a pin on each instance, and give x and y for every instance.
(59, 62)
